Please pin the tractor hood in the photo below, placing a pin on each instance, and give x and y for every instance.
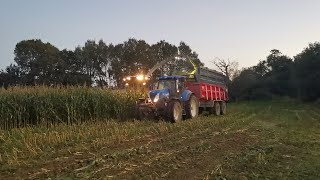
(156, 95)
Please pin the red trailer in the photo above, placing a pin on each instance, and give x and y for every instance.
(210, 88)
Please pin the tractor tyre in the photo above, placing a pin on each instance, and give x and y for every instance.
(217, 108)
(174, 112)
(223, 107)
(192, 107)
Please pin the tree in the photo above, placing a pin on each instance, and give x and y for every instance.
(248, 86)
(89, 60)
(102, 78)
(38, 62)
(94, 61)
(186, 52)
(162, 51)
(12, 75)
(228, 68)
(130, 58)
(261, 68)
(279, 73)
(73, 74)
(133, 57)
(278, 62)
(307, 72)
(272, 76)
(4, 79)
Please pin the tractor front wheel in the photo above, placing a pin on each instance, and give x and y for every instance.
(174, 111)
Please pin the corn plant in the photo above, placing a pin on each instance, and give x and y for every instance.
(29, 106)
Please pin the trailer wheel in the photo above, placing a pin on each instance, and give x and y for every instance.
(174, 112)
(217, 108)
(223, 107)
(192, 107)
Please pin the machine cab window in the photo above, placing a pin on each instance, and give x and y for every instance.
(165, 84)
(180, 83)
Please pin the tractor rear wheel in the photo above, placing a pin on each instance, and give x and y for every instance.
(192, 107)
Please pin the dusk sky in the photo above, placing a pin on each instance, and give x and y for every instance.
(239, 30)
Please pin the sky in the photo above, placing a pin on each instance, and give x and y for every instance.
(239, 30)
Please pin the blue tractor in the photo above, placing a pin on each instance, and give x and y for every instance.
(168, 99)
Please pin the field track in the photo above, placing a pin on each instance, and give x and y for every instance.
(267, 140)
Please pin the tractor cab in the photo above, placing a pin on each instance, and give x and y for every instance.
(168, 86)
(170, 82)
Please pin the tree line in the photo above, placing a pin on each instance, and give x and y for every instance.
(105, 65)
(94, 64)
(280, 75)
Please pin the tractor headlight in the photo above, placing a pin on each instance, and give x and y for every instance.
(156, 98)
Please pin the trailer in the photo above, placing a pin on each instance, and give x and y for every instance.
(210, 88)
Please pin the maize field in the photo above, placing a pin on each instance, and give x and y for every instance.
(30, 106)
(255, 140)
